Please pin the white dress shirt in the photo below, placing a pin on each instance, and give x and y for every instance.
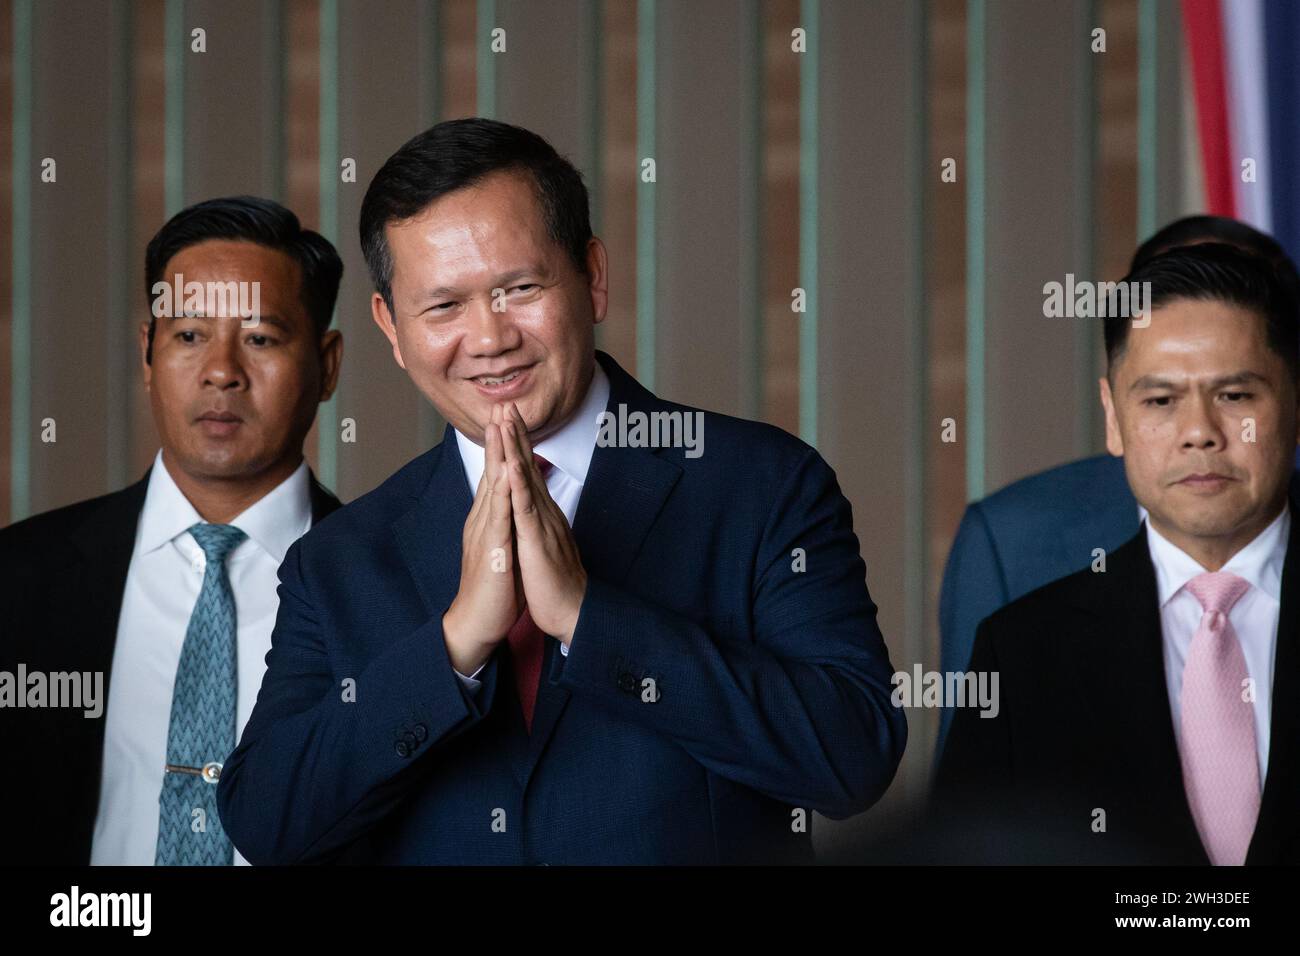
(1254, 617)
(162, 587)
(569, 450)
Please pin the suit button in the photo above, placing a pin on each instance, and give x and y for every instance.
(408, 738)
(403, 749)
(421, 732)
(627, 683)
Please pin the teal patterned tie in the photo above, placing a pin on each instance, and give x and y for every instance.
(202, 728)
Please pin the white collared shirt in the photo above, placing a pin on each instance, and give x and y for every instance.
(162, 587)
(1254, 617)
(569, 450)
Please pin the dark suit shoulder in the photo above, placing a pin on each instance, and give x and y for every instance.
(1076, 487)
(752, 454)
(40, 533)
(1068, 605)
(379, 507)
(1045, 601)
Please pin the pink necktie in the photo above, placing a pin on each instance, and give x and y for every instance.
(1220, 766)
(527, 643)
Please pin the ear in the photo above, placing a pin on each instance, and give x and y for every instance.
(331, 359)
(598, 274)
(145, 367)
(384, 319)
(1114, 439)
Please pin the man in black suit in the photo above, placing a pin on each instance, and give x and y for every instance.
(1148, 705)
(157, 602)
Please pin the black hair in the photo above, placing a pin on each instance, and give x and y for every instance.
(459, 153)
(1216, 272)
(250, 219)
(1197, 229)
(1192, 229)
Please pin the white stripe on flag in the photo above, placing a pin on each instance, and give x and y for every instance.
(1247, 91)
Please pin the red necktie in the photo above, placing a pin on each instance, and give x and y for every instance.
(527, 643)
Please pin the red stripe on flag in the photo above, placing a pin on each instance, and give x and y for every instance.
(1203, 20)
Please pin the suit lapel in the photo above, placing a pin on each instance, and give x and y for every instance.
(323, 503)
(429, 538)
(1122, 684)
(625, 490)
(1281, 786)
(429, 534)
(104, 543)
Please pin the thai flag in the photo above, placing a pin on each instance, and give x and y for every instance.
(1245, 65)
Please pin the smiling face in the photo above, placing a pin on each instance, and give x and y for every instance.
(489, 309)
(233, 403)
(1187, 391)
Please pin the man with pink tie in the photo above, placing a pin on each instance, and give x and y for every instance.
(1149, 704)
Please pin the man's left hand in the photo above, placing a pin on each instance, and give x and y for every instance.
(554, 579)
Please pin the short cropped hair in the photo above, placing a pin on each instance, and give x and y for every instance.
(459, 153)
(251, 219)
(1216, 272)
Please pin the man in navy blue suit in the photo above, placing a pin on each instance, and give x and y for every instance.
(1046, 526)
(575, 631)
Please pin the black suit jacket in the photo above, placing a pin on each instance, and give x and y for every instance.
(1085, 724)
(64, 573)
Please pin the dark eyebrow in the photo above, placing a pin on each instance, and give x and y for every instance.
(1243, 377)
(275, 320)
(449, 292)
(1151, 381)
(513, 274)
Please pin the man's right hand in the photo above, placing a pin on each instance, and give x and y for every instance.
(490, 598)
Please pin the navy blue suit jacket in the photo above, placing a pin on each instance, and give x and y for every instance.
(1030, 533)
(772, 684)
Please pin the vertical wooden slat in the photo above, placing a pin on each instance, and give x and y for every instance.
(619, 176)
(177, 49)
(545, 64)
(429, 424)
(916, 478)
(272, 101)
(486, 77)
(749, 180)
(809, 221)
(779, 232)
(122, 303)
(1172, 117)
(8, 110)
(233, 142)
(1148, 120)
(702, 331)
(1087, 431)
(647, 193)
(976, 431)
(1039, 64)
(148, 184)
(381, 104)
(330, 159)
(75, 96)
(871, 313)
(24, 174)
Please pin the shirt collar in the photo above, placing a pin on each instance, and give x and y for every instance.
(1259, 562)
(569, 449)
(273, 522)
